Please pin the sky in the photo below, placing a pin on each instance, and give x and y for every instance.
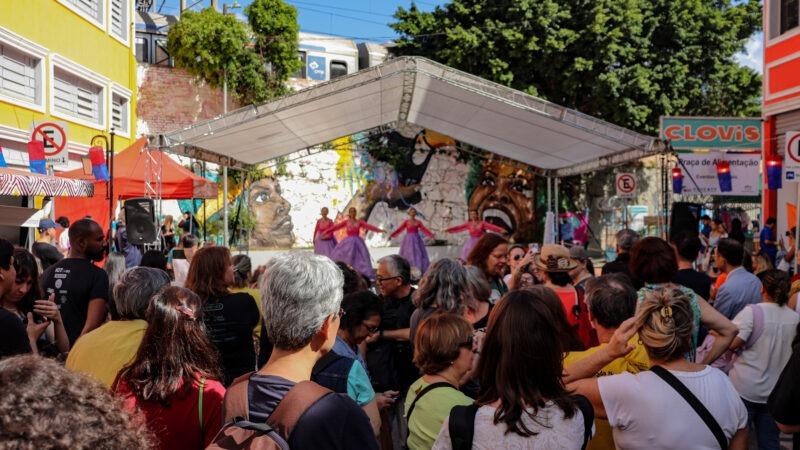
(369, 19)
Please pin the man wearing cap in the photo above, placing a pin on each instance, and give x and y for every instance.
(625, 240)
(584, 271)
(43, 248)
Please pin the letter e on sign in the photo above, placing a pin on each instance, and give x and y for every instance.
(792, 160)
(626, 185)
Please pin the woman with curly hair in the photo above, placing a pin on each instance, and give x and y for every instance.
(51, 407)
(490, 254)
(444, 288)
(174, 378)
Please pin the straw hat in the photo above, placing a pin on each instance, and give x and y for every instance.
(555, 258)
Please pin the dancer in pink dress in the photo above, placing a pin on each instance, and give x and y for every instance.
(352, 250)
(324, 242)
(476, 227)
(413, 248)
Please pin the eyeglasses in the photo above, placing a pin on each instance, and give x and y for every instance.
(517, 257)
(373, 330)
(381, 279)
(341, 313)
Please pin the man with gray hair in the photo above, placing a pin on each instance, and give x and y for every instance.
(102, 352)
(301, 294)
(626, 239)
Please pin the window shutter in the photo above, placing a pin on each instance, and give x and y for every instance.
(119, 18)
(119, 113)
(18, 75)
(91, 7)
(77, 97)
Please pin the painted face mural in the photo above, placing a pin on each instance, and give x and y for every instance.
(274, 225)
(503, 197)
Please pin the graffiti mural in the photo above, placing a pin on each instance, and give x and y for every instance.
(430, 176)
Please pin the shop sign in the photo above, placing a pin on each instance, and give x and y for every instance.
(729, 133)
(700, 173)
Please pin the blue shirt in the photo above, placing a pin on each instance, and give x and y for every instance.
(359, 388)
(740, 289)
(768, 235)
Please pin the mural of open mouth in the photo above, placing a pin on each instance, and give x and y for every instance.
(500, 217)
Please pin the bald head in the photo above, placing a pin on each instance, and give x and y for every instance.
(86, 240)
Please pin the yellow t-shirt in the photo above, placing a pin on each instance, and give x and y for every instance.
(102, 352)
(634, 362)
(257, 296)
(430, 412)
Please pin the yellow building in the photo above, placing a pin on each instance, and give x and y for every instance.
(71, 61)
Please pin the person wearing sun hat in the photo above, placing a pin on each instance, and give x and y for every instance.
(555, 264)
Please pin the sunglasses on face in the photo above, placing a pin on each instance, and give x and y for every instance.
(381, 279)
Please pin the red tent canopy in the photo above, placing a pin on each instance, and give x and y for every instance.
(130, 170)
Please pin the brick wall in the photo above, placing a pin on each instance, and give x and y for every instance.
(171, 99)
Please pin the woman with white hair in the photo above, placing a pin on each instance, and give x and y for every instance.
(444, 288)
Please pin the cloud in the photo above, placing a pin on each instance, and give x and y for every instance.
(753, 54)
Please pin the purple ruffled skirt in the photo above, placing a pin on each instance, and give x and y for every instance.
(353, 251)
(413, 250)
(468, 246)
(324, 246)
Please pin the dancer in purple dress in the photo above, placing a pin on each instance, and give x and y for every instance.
(324, 242)
(413, 248)
(352, 250)
(476, 228)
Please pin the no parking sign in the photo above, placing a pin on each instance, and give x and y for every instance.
(792, 162)
(626, 185)
(54, 137)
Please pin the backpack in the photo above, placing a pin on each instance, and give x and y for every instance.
(461, 424)
(239, 433)
(726, 360)
(331, 371)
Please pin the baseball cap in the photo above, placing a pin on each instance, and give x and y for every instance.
(46, 224)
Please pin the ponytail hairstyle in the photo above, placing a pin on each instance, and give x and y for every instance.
(242, 266)
(776, 285)
(175, 350)
(666, 320)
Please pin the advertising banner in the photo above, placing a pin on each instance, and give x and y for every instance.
(729, 133)
(701, 172)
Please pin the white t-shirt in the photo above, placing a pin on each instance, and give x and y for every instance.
(756, 370)
(553, 431)
(645, 412)
(63, 240)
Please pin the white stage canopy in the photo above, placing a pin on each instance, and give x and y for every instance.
(414, 90)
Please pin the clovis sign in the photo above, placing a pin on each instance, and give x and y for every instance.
(730, 133)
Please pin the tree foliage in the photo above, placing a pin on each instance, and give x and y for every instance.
(257, 59)
(626, 61)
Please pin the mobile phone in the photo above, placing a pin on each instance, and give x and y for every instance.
(534, 247)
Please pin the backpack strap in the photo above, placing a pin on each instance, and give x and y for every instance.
(588, 418)
(758, 325)
(422, 393)
(461, 426)
(695, 403)
(296, 402)
(236, 402)
(323, 363)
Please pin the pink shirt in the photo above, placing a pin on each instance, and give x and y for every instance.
(411, 227)
(476, 229)
(323, 227)
(353, 227)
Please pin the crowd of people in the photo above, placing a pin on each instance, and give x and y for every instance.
(510, 347)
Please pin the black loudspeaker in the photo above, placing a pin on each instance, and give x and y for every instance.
(140, 220)
(685, 219)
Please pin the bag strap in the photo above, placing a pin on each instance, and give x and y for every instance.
(698, 407)
(296, 402)
(324, 362)
(200, 408)
(758, 325)
(461, 426)
(588, 418)
(424, 391)
(236, 402)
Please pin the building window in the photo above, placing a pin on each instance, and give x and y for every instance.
(162, 57)
(91, 10)
(142, 49)
(338, 69)
(77, 98)
(120, 111)
(20, 75)
(118, 23)
(790, 15)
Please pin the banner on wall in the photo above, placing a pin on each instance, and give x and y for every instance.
(701, 172)
(730, 133)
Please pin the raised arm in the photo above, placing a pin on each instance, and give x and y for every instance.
(424, 230)
(458, 228)
(399, 229)
(336, 227)
(363, 224)
(491, 227)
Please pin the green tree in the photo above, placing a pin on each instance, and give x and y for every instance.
(627, 61)
(257, 60)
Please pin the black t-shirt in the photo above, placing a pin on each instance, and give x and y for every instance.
(229, 324)
(390, 363)
(48, 254)
(13, 337)
(699, 282)
(334, 422)
(75, 281)
(784, 401)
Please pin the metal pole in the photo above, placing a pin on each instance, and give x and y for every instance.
(205, 212)
(797, 226)
(549, 194)
(110, 159)
(557, 223)
(225, 168)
